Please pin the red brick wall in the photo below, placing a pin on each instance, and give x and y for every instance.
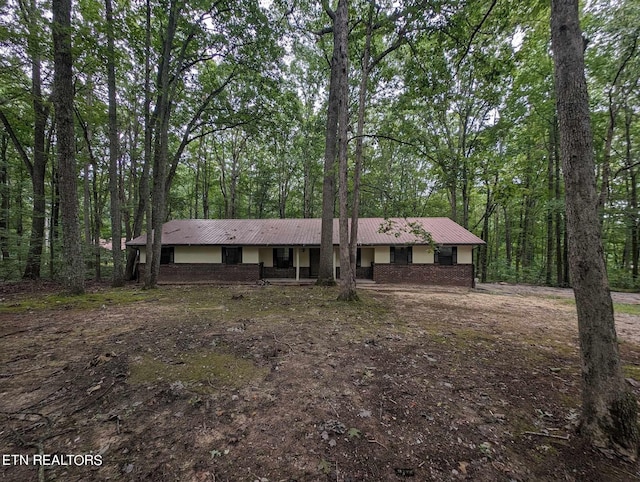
(270, 272)
(361, 273)
(186, 272)
(429, 274)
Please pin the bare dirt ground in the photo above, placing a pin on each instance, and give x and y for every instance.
(247, 383)
(627, 325)
(532, 290)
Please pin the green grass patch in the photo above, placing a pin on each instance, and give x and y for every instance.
(201, 371)
(88, 301)
(631, 371)
(626, 308)
(307, 303)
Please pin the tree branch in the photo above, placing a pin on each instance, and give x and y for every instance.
(475, 32)
(324, 31)
(186, 139)
(16, 142)
(626, 168)
(624, 63)
(327, 8)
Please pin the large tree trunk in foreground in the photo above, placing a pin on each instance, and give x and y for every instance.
(161, 149)
(325, 269)
(73, 277)
(609, 417)
(347, 269)
(143, 210)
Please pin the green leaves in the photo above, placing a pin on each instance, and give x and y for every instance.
(459, 109)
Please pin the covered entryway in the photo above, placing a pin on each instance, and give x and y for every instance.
(314, 262)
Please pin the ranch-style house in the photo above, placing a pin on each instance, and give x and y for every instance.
(435, 251)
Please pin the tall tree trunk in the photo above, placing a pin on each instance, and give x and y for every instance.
(93, 230)
(453, 196)
(117, 278)
(86, 207)
(54, 221)
(349, 289)
(560, 278)
(96, 223)
(143, 209)
(495, 255)
(36, 241)
(307, 212)
(367, 64)
(89, 180)
(19, 203)
(63, 101)
(128, 181)
(38, 169)
(483, 252)
(233, 185)
(550, 208)
(466, 186)
(507, 236)
(230, 172)
(565, 254)
(54, 227)
(205, 180)
(347, 271)
(196, 190)
(4, 197)
(609, 410)
(520, 240)
(359, 150)
(149, 123)
(161, 146)
(613, 109)
(603, 197)
(326, 274)
(634, 216)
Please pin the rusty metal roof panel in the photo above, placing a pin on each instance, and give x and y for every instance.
(389, 231)
(306, 232)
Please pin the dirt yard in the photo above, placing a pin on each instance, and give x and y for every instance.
(248, 383)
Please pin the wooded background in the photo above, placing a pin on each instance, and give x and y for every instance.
(219, 110)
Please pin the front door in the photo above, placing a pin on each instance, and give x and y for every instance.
(314, 262)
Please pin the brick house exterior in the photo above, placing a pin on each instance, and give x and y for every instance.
(395, 250)
(430, 274)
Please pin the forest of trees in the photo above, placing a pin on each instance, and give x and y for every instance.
(219, 110)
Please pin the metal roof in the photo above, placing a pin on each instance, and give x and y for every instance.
(306, 232)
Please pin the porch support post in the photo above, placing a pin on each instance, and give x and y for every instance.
(333, 250)
(297, 264)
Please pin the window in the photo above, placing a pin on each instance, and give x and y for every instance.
(447, 255)
(358, 258)
(166, 255)
(283, 257)
(232, 255)
(401, 255)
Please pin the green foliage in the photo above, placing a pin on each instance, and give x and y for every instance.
(459, 119)
(422, 236)
(203, 371)
(87, 301)
(324, 467)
